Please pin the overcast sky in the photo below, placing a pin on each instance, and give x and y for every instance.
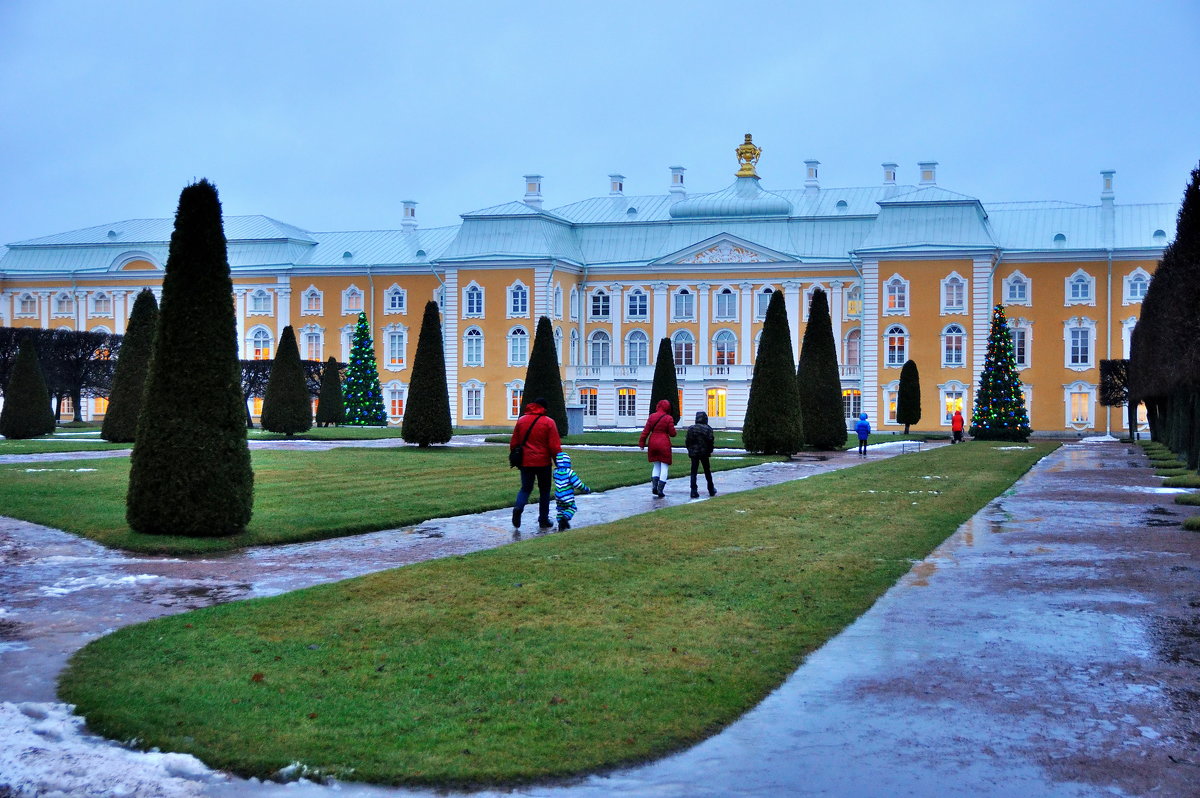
(326, 115)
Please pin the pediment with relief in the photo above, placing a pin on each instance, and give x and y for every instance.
(728, 252)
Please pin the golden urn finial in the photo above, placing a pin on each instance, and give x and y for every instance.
(748, 155)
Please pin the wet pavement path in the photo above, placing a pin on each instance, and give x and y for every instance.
(1050, 647)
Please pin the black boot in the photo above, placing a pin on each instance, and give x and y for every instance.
(662, 488)
(563, 525)
(516, 517)
(653, 486)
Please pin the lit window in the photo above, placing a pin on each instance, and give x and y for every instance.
(638, 346)
(851, 403)
(952, 401)
(599, 349)
(518, 301)
(897, 296)
(953, 346)
(1081, 407)
(891, 397)
(684, 348)
(685, 304)
(726, 304)
(473, 347)
(897, 346)
(474, 301)
(587, 398)
(515, 397)
(627, 401)
(396, 402)
(854, 301)
(518, 347)
(763, 301)
(636, 304)
(102, 304)
(352, 300)
(260, 345)
(99, 405)
(725, 348)
(256, 406)
(716, 402)
(395, 349)
(601, 305)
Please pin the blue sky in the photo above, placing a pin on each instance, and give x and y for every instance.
(327, 115)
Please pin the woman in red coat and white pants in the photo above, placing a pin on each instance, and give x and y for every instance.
(656, 435)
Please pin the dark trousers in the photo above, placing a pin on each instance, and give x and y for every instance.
(528, 473)
(697, 461)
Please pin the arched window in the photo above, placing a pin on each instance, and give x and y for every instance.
(574, 347)
(1136, 285)
(260, 302)
(64, 303)
(896, 295)
(599, 349)
(1017, 289)
(601, 304)
(1060, 240)
(636, 304)
(852, 350)
(724, 348)
(311, 301)
(395, 300)
(1079, 288)
(954, 344)
(101, 304)
(260, 344)
(352, 300)
(637, 349)
(726, 305)
(683, 346)
(518, 347)
(896, 342)
(763, 299)
(473, 304)
(854, 301)
(516, 398)
(473, 347)
(558, 348)
(574, 309)
(954, 294)
(558, 301)
(27, 305)
(518, 300)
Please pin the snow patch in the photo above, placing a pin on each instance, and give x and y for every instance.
(68, 470)
(1010, 448)
(1099, 439)
(64, 587)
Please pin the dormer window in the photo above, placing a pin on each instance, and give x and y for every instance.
(617, 186)
(410, 213)
(1060, 240)
(533, 188)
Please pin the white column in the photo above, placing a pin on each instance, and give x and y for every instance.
(119, 313)
(981, 318)
(450, 340)
(616, 310)
(81, 310)
(746, 349)
(6, 309)
(791, 298)
(44, 299)
(239, 309)
(659, 315)
(837, 306)
(703, 291)
(283, 309)
(871, 343)
(541, 295)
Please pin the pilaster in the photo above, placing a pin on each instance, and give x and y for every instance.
(239, 310)
(450, 338)
(981, 314)
(871, 342)
(659, 314)
(791, 301)
(746, 351)
(837, 307)
(704, 346)
(616, 309)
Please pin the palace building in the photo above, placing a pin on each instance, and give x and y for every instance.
(912, 272)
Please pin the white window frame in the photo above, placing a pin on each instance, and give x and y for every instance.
(888, 360)
(352, 291)
(312, 293)
(24, 301)
(854, 294)
(517, 302)
(900, 288)
(683, 337)
(393, 291)
(1079, 278)
(509, 389)
(93, 301)
(629, 400)
(387, 390)
(1007, 285)
(1024, 326)
(891, 399)
(599, 338)
(515, 335)
(557, 301)
(252, 337)
(258, 303)
(962, 309)
(63, 300)
(1127, 326)
(589, 400)
(472, 291)
(1084, 388)
(347, 342)
(1127, 297)
(1027, 394)
(731, 359)
(944, 390)
(1087, 327)
(558, 347)
(806, 305)
(574, 304)
(946, 336)
(473, 333)
(645, 343)
(643, 299)
(306, 332)
(689, 312)
(720, 293)
(387, 333)
(852, 347)
(762, 299)
(600, 305)
(468, 388)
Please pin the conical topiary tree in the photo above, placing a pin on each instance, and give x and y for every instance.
(133, 364)
(427, 416)
(665, 386)
(908, 398)
(190, 470)
(542, 377)
(361, 394)
(999, 413)
(330, 409)
(774, 421)
(287, 407)
(819, 381)
(26, 412)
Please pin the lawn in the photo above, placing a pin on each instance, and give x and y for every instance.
(552, 657)
(302, 496)
(63, 440)
(725, 439)
(357, 433)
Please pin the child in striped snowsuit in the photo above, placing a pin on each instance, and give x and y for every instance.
(566, 483)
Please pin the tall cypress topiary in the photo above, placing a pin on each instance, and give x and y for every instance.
(361, 394)
(542, 377)
(1000, 413)
(287, 407)
(665, 386)
(427, 417)
(774, 421)
(26, 412)
(190, 470)
(133, 364)
(908, 396)
(330, 409)
(819, 381)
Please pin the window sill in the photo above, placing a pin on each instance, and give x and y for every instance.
(1080, 367)
(1087, 303)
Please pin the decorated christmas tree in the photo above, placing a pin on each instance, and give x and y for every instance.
(361, 392)
(1000, 413)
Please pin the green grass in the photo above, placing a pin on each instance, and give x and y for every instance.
(556, 656)
(1192, 523)
(1178, 471)
(81, 441)
(1188, 480)
(355, 433)
(1191, 499)
(308, 495)
(725, 439)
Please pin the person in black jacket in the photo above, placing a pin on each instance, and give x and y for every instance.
(699, 443)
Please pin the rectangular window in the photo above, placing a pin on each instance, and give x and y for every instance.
(685, 305)
(515, 395)
(474, 403)
(897, 297)
(395, 349)
(638, 308)
(28, 305)
(952, 400)
(890, 398)
(955, 295)
(1081, 351)
(601, 305)
(518, 301)
(726, 305)
(680, 397)
(256, 406)
(99, 405)
(1020, 337)
(1081, 407)
(716, 402)
(852, 402)
(762, 301)
(627, 401)
(587, 398)
(396, 403)
(102, 305)
(473, 356)
(396, 301)
(474, 302)
(1017, 291)
(312, 346)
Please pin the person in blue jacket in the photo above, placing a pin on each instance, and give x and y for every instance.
(863, 428)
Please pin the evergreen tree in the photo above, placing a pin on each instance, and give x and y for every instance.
(133, 363)
(287, 406)
(542, 377)
(1000, 413)
(330, 409)
(427, 417)
(774, 421)
(26, 412)
(665, 386)
(819, 381)
(908, 400)
(190, 470)
(361, 395)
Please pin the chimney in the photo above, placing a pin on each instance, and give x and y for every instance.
(533, 191)
(928, 172)
(1108, 213)
(889, 179)
(812, 182)
(616, 185)
(678, 192)
(408, 221)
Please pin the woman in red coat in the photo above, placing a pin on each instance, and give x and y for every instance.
(659, 430)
